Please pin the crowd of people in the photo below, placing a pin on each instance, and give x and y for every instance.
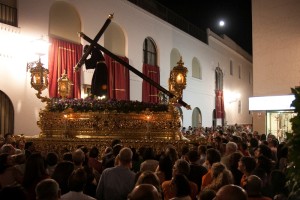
(236, 165)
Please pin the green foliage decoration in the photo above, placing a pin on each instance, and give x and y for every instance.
(293, 143)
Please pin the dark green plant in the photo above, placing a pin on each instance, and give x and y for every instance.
(293, 142)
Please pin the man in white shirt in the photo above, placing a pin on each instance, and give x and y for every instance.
(117, 182)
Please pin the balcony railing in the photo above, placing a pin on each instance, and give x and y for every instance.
(171, 17)
(8, 15)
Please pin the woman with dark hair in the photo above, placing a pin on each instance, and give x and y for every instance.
(35, 171)
(182, 187)
(246, 165)
(61, 174)
(234, 163)
(164, 169)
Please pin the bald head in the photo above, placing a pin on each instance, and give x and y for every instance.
(231, 192)
(144, 192)
(254, 185)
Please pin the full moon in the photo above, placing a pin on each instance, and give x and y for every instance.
(221, 23)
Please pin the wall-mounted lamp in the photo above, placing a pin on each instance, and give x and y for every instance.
(39, 74)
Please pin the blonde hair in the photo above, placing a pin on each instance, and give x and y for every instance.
(221, 176)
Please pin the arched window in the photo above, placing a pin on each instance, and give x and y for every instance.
(196, 118)
(150, 69)
(149, 52)
(6, 114)
(196, 69)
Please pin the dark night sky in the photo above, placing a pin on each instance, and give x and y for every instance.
(207, 13)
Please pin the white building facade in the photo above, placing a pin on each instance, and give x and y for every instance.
(125, 36)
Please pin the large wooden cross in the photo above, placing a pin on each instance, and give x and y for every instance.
(94, 44)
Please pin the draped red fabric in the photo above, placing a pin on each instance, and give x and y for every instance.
(63, 56)
(118, 79)
(149, 93)
(219, 104)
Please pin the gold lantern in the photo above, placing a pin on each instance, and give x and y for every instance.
(39, 74)
(39, 78)
(177, 81)
(64, 86)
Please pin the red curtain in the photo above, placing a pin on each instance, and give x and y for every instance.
(118, 79)
(63, 56)
(219, 104)
(149, 93)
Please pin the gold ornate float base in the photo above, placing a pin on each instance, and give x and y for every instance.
(110, 125)
(66, 130)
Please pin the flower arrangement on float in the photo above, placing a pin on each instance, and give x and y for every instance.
(97, 105)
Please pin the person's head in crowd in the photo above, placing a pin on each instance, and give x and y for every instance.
(52, 159)
(148, 154)
(47, 189)
(263, 150)
(231, 147)
(193, 156)
(234, 160)
(231, 192)
(207, 194)
(144, 192)
(262, 174)
(94, 152)
(181, 166)
(202, 149)
(165, 165)
(29, 146)
(149, 177)
(172, 153)
(116, 149)
(61, 175)
(221, 176)
(78, 157)
(282, 151)
(254, 186)
(67, 156)
(8, 148)
(247, 164)
(253, 142)
(115, 142)
(9, 138)
(212, 156)
(77, 180)
(263, 137)
(264, 163)
(125, 157)
(184, 151)
(181, 185)
(273, 143)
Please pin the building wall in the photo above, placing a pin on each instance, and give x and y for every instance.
(137, 24)
(276, 46)
(276, 50)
